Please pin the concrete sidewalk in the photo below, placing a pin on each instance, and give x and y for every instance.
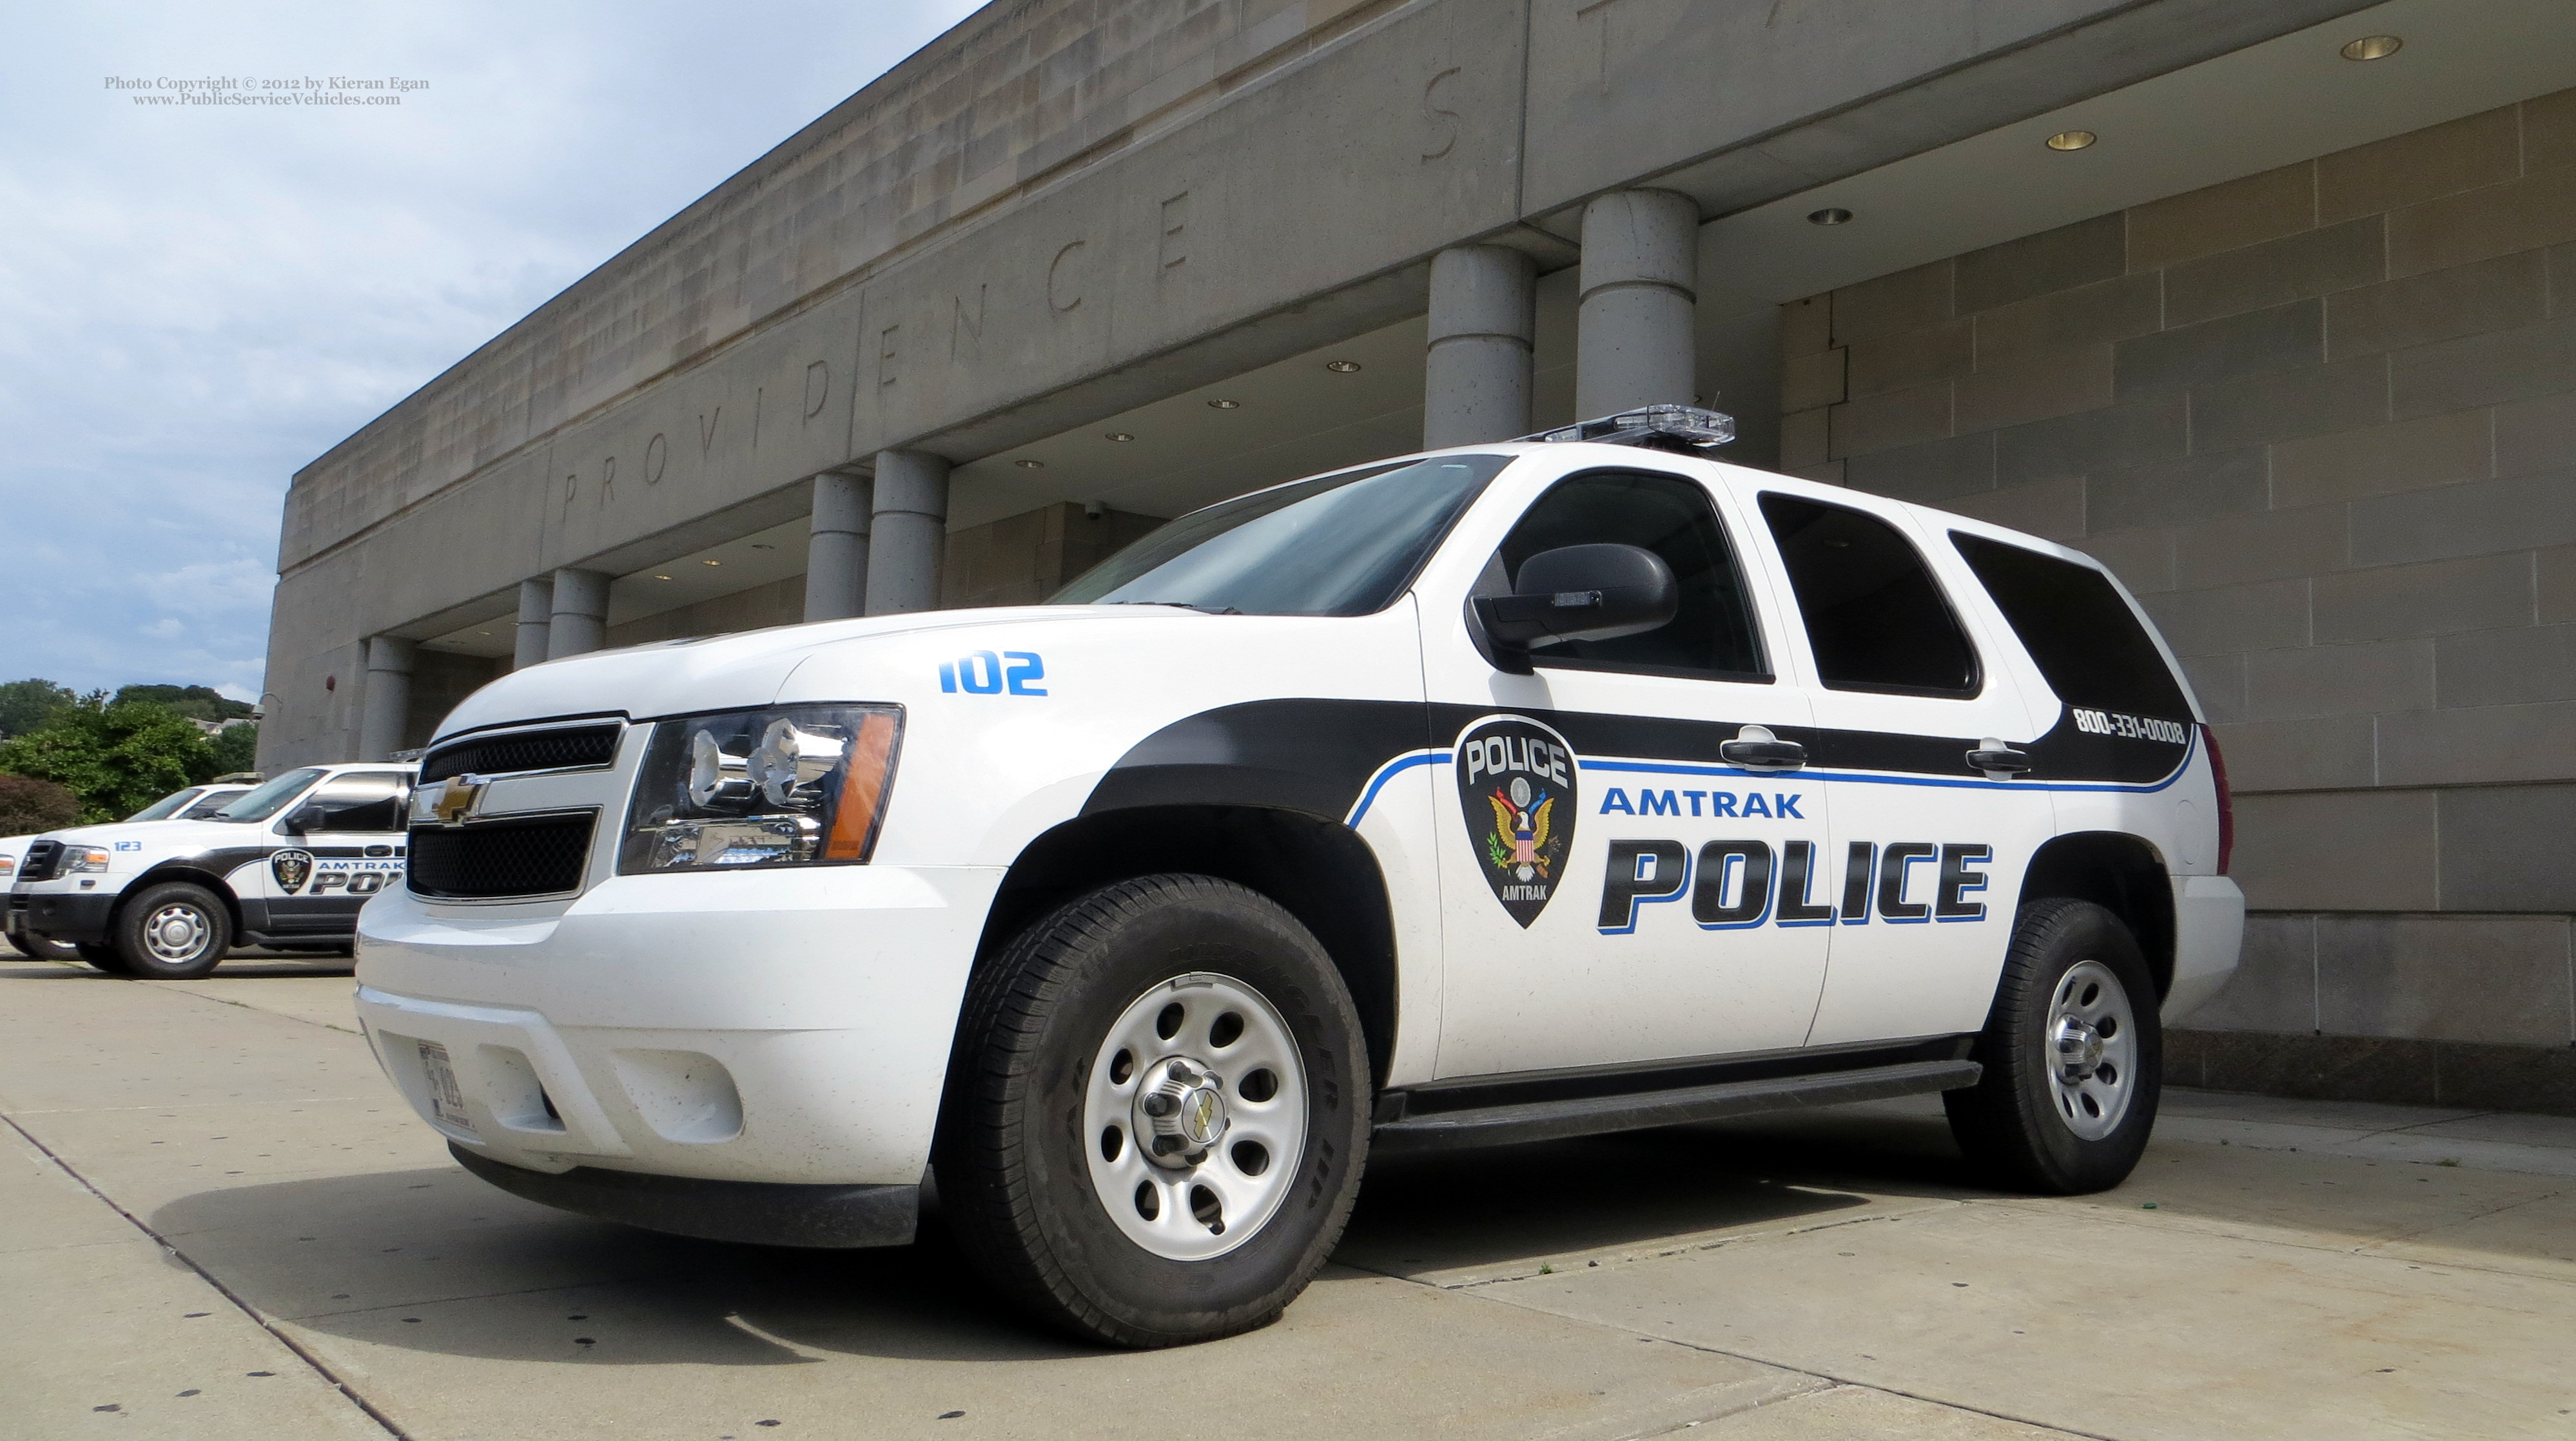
(222, 1222)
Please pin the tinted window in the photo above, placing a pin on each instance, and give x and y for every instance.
(2078, 630)
(364, 801)
(1711, 636)
(213, 801)
(1875, 617)
(1343, 544)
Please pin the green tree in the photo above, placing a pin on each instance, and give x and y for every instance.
(197, 702)
(28, 805)
(26, 705)
(237, 748)
(116, 758)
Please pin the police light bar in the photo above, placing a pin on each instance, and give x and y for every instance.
(1685, 428)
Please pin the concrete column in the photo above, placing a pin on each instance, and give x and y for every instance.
(1484, 319)
(836, 553)
(536, 614)
(911, 532)
(385, 705)
(1640, 276)
(580, 619)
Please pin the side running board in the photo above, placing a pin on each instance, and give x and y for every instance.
(1593, 1115)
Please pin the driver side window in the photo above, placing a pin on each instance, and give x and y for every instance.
(1712, 636)
(356, 803)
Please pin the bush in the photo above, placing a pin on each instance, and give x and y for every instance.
(116, 758)
(28, 805)
(196, 702)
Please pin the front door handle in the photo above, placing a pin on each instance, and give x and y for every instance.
(1998, 759)
(1756, 748)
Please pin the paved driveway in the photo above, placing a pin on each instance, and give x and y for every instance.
(219, 1221)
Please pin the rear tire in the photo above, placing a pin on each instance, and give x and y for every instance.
(173, 932)
(1179, 1047)
(2073, 1053)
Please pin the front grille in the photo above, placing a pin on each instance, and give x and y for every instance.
(39, 862)
(571, 748)
(496, 860)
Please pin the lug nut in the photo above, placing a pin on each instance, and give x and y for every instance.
(1166, 1145)
(1195, 1158)
(1182, 1073)
(1160, 1104)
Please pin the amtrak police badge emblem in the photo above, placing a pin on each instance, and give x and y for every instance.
(292, 869)
(1516, 788)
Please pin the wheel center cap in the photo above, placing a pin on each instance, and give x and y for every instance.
(1181, 1107)
(2079, 1048)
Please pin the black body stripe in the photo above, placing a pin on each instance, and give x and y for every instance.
(1314, 756)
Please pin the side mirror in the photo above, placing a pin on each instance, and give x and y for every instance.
(1577, 592)
(300, 820)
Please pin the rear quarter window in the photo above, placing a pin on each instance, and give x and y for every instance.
(2081, 634)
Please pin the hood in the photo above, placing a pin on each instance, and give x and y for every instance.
(728, 672)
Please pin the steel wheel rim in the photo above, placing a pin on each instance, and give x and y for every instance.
(2091, 1046)
(1207, 1202)
(177, 933)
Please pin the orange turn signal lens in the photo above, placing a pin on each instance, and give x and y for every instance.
(865, 778)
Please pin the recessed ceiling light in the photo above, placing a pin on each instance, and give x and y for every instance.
(1830, 215)
(1342, 367)
(1118, 435)
(710, 562)
(661, 577)
(482, 632)
(1225, 405)
(762, 545)
(1030, 464)
(2373, 47)
(2071, 139)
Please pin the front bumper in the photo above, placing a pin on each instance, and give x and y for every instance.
(772, 1027)
(73, 918)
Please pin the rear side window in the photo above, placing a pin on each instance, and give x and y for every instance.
(1876, 619)
(1711, 637)
(2078, 630)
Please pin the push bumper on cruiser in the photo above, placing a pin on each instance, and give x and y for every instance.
(772, 1064)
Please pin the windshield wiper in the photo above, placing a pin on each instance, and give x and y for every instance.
(1185, 605)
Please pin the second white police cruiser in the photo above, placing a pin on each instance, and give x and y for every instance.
(1495, 794)
(284, 864)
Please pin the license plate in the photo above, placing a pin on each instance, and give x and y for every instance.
(446, 1104)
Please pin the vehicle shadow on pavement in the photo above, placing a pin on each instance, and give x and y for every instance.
(436, 1260)
(1643, 1190)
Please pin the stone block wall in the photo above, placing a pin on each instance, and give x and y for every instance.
(2322, 420)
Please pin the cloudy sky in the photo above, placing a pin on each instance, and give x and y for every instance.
(196, 300)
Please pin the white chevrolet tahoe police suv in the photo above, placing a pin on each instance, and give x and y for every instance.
(284, 864)
(1489, 795)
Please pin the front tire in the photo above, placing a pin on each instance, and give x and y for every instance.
(173, 932)
(1158, 1113)
(37, 948)
(100, 957)
(2074, 1057)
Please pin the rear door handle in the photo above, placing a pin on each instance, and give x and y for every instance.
(1996, 758)
(1755, 747)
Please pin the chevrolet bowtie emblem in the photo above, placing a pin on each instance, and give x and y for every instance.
(457, 798)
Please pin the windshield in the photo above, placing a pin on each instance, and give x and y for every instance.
(167, 805)
(269, 799)
(215, 799)
(1341, 544)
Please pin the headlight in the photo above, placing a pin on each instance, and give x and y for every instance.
(793, 786)
(76, 859)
